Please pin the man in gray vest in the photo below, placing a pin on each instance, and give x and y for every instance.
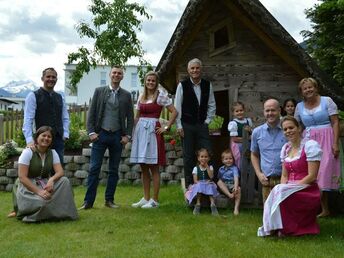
(195, 103)
(109, 125)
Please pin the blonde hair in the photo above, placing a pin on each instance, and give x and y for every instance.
(145, 93)
(225, 152)
(236, 104)
(310, 80)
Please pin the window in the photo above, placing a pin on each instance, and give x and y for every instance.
(134, 80)
(221, 37)
(102, 78)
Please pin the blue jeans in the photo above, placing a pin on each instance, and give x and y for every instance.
(110, 141)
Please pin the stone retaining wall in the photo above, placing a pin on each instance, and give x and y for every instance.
(76, 169)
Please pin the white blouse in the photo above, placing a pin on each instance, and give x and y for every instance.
(312, 149)
(162, 99)
(233, 127)
(27, 153)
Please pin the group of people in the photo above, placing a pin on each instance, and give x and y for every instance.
(292, 164)
(297, 162)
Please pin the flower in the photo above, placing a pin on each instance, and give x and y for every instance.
(173, 142)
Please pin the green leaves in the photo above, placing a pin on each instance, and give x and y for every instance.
(114, 28)
(326, 42)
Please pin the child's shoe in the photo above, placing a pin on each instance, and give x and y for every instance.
(214, 211)
(197, 210)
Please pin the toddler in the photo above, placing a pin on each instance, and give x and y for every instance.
(229, 179)
(236, 127)
(289, 106)
(203, 184)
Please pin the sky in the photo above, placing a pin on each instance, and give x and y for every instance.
(37, 34)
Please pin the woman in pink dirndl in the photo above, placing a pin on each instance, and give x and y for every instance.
(292, 206)
(319, 116)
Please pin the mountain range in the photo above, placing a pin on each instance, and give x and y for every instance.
(17, 89)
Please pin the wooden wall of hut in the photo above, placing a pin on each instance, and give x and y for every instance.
(250, 71)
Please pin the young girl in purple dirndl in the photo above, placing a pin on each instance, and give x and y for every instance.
(203, 184)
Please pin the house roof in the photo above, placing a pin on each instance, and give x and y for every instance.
(254, 13)
(8, 101)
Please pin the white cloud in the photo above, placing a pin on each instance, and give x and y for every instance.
(36, 34)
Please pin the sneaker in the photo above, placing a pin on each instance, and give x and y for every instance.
(214, 211)
(140, 203)
(151, 204)
(197, 210)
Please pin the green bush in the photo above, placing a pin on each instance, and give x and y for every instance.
(77, 135)
(7, 150)
(19, 138)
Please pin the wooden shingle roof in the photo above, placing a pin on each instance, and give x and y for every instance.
(254, 12)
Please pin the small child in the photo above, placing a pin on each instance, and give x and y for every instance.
(236, 127)
(229, 179)
(288, 108)
(202, 176)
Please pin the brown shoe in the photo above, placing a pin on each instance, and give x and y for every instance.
(111, 205)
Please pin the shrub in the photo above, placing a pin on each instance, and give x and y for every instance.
(77, 135)
(19, 138)
(7, 150)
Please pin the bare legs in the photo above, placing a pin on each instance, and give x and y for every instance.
(324, 205)
(197, 208)
(146, 179)
(235, 195)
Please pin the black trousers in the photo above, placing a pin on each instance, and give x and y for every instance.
(196, 136)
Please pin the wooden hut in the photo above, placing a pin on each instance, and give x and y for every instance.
(246, 54)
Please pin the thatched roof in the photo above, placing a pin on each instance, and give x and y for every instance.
(261, 17)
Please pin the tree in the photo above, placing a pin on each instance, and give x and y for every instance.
(114, 27)
(326, 42)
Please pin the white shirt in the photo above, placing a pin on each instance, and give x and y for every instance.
(197, 88)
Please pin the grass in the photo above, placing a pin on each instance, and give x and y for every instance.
(170, 231)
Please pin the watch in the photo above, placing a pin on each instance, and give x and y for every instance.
(166, 128)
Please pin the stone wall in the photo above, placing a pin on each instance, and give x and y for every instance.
(76, 169)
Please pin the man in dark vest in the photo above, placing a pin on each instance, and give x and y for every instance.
(109, 124)
(196, 108)
(47, 107)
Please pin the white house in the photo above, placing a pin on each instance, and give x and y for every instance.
(11, 103)
(100, 77)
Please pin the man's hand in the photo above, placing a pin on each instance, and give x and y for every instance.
(180, 131)
(31, 145)
(94, 137)
(124, 140)
(263, 179)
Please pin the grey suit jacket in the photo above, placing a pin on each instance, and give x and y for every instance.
(97, 107)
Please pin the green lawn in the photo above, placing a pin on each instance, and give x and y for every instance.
(170, 231)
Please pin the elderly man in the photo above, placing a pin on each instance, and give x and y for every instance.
(266, 144)
(195, 103)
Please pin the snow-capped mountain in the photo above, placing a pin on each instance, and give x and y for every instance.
(18, 89)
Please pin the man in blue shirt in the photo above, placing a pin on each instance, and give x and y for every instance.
(47, 107)
(266, 144)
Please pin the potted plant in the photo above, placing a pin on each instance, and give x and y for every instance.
(216, 125)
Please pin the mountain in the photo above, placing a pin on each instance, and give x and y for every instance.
(17, 89)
